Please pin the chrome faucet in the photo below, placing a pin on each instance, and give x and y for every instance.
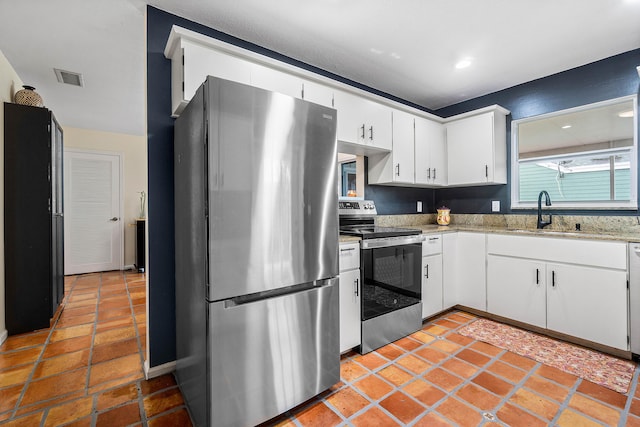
(547, 202)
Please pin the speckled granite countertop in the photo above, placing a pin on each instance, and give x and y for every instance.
(615, 236)
(614, 228)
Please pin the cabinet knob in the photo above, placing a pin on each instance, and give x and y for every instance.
(114, 219)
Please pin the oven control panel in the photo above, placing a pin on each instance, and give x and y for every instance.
(356, 207)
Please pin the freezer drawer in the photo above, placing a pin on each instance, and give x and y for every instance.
(268, 356)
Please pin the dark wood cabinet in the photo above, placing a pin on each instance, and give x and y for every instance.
(141, 255)
(33, 217)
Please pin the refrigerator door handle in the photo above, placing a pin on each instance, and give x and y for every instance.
(276, 293)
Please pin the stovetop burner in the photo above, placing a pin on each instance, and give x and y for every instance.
(374, 232)
(357, 218)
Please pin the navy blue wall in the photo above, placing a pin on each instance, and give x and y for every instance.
(161, 297)
(609, 78)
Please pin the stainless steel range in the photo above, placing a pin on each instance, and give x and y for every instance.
(390, 270)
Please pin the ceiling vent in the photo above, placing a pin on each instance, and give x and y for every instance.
(69, 77)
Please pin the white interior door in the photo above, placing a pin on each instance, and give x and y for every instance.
(93, 226)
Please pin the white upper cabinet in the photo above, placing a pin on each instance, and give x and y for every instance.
(275, 80)
(362, 123)
(477, 147)
(191, 63)
(430, 153)
(402, 126)
(395, 167)
(317, 93)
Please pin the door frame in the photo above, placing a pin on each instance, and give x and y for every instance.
(120, 156)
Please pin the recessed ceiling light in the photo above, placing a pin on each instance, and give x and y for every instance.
(464, 63)
(395, 55)
(566, 126)
(626, 113)
(69, 77)
(376, 51)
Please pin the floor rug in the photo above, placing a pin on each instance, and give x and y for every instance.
(596, 367)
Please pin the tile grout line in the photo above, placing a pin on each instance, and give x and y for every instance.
(93, 336)
(632, 390)
(135, 323)
(563, 405)
(27, 382)
(143, 414)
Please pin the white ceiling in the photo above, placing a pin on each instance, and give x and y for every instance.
(406, 48)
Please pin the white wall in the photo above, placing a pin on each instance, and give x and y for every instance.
(9, 84)
(134, 153)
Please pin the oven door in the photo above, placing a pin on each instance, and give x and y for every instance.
(391, 279)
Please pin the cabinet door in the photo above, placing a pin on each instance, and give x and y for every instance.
(430, 156)
(403, 156)
(315, 92)
(378, 125)
(431, 285)
(200, 62)
(276, 81)
(349, 310)
(470, 150)
(438, 154)
(471, 270)
(362, 121)
(516, 289)
(589, 303)
(351, 127)
(449, 269)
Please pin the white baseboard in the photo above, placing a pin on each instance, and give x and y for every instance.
(156, 371)
(129, 267)
(3, 336)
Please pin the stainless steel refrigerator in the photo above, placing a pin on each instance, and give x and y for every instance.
(256, 253)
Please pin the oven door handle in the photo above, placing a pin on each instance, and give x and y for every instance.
(391, 241)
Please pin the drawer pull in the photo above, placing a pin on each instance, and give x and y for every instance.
(347, 249)
(357, 286)
(537, 276)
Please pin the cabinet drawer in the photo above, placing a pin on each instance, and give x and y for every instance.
(571, 251)
(349, 256)
(432, 245)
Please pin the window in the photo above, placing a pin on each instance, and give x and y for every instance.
(584, 157)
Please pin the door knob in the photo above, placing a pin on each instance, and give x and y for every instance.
(114, 219)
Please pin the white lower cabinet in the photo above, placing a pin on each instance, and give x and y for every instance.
(575, 287)
(589, 303)
(470, 274)
(349, 296)
(516, 289)
(432, 301)
(432, 292)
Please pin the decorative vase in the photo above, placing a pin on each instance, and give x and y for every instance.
(444, 216)
(28, 96)
(143, 197)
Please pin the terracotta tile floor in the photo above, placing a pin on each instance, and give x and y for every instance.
(437, 377)
(87, 369)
